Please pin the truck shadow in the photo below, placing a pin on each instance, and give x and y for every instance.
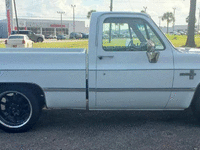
(71, 119)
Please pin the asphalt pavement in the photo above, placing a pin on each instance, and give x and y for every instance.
(104, 130)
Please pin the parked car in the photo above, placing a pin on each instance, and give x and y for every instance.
(51, 37)
(105, 36)
(61, 37)
(182, 32)
(85, 35)
(75, 35)
(18, 41)
(34, 37)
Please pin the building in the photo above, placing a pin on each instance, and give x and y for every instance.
(45, 27)
(3, 29)
(177, 28)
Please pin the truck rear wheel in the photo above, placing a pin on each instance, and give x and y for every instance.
(19, 110)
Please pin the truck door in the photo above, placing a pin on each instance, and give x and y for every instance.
(126, 79)
(32, 36)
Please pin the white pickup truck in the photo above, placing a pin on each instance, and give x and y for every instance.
(130, 65)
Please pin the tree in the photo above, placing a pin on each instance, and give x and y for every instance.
(169, 16)
(187, 20)
(191, 25)
(90, 13)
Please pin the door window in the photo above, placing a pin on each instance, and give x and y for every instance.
(128, 34)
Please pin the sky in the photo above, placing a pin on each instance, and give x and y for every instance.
(47, 9)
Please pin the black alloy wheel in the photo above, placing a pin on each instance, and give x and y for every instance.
(19, 110)
(15, 110)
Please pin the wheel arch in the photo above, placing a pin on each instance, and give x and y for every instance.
(36, 89)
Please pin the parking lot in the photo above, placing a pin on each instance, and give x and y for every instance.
(67, 129)
(53, 40)
(67, 40)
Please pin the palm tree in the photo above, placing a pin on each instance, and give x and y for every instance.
(90, 13)
(142, 11)
(120, 24)
(190, 35)
(187, 19)
(169, 16)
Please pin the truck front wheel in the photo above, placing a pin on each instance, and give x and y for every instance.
(196, 106)
(19, 110)
(40, 40)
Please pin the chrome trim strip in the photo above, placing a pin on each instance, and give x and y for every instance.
(142, 89)
(141, 69)
(119, 89)
(64, 89)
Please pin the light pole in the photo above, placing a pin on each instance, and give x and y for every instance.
(174, 18)
(198, 21)
(16, 17)
(59, 12)
(73, 6)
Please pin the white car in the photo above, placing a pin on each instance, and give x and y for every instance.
(52, 37)
(18, 41)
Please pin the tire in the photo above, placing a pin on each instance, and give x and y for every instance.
(19, 109)
(39, 40)
(195, 106)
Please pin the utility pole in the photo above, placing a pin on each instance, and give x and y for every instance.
(111, 5)
(59, 12)
(16, 17)
(174, 18)
(198, 21)
(145, 9)
(73, 6)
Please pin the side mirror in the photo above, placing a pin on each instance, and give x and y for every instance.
(151, 53)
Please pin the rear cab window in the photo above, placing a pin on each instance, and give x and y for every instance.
(16, 37)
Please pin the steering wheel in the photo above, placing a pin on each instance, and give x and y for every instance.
(137, 48)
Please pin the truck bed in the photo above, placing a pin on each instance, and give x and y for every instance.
(59, 72)
(42, 58)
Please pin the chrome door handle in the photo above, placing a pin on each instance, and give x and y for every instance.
(101, 57)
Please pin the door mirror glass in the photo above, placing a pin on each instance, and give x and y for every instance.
(151, 53)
